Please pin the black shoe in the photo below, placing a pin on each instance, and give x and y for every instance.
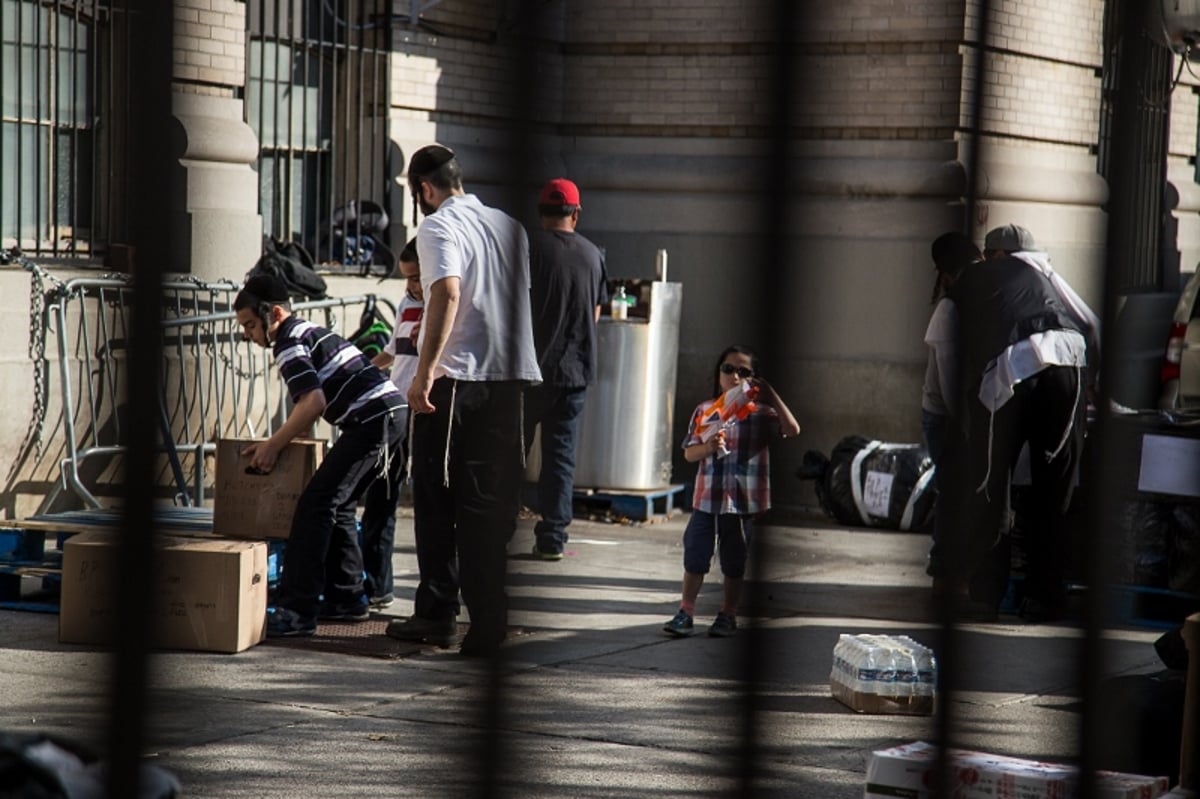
(350, 611)
(547, 553)
(284, 623)
(439, 632)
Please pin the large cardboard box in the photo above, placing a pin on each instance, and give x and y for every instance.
(907, 771)
(252, 505)
(208, 594)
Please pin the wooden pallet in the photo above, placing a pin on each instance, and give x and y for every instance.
(31, 550)
(1150, 608)
(648, 505)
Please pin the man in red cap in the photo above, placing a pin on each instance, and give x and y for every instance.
(569, 284)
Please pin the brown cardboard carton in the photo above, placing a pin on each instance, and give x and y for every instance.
(208, 594)
(249, 505)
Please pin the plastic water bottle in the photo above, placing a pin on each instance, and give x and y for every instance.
(620, 304)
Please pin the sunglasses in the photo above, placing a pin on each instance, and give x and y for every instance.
(742, 372)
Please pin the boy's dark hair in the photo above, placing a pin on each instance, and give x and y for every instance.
(409, 253)
(755, 365)
(261, 292)
(951, 253)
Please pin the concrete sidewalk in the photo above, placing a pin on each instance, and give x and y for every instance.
(597, 701)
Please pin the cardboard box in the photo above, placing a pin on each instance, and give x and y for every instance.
(208, 594)
(255, 505)
(907, 771)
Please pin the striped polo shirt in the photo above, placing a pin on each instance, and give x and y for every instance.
(311, 357)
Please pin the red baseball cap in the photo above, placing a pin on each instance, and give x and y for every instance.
(559, 191)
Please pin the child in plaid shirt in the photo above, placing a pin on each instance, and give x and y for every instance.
(730, 488)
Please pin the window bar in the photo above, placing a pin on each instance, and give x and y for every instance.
(18, 127)
(101, 213)
(262, 104)
(54, 86)
(287, 33)
(305, 54)
(341, 94)
(41, 191)
(3, 127)
(319, 159)
(358, 51)
(73, 162)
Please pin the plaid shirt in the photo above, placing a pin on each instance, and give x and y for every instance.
(740, 482)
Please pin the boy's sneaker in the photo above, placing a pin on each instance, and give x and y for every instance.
(284, 623)
(680, 626)
(547, 554)
(381, 602)
(350, 611)
(723, 626)
(439, 632)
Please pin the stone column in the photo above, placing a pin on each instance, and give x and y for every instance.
(218, 228)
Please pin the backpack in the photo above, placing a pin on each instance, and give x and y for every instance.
(291, 263)
(373, 331)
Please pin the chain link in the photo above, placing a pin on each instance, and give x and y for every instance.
(39, 321)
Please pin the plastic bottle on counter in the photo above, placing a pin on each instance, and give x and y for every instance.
(620, 304)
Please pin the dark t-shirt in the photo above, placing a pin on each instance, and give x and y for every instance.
(568, 280)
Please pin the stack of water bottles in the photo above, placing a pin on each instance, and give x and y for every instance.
(884, 674)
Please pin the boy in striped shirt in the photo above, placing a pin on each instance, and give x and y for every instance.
(326, 377)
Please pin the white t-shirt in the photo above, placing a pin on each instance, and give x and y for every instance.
(492, 335)
(942, 337)
(403, 346)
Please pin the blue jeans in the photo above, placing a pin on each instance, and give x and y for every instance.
(557, 409)
(701, 535)
(379, 519)
(322, 553)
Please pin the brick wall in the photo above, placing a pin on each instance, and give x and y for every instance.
(1040, 81)
(210, 46)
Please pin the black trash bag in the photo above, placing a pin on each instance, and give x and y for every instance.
(1184, 561)
(1143, 543)
(48, 767)
(871, 483)
(292, 264)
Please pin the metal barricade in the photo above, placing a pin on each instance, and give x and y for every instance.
(214, 384)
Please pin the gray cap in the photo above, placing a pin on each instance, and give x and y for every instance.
(1009, 238)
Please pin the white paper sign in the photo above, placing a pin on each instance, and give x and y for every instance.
(1170, 465)
(877, 493)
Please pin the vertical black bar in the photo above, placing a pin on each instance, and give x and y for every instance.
(152, 30)
(1122, 175)
(772, 194)
(287, 34)
(950, 641)
(3, 127)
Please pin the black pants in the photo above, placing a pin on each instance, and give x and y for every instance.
(322, 553)
(379, 519)
(463, 523)
(973, 518)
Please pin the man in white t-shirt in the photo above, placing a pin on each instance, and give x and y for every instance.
(476, 356)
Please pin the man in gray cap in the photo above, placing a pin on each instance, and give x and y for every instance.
(1021, 373)
(476, 355)
(1018, 242)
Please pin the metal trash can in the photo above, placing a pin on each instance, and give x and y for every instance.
(625, 431)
